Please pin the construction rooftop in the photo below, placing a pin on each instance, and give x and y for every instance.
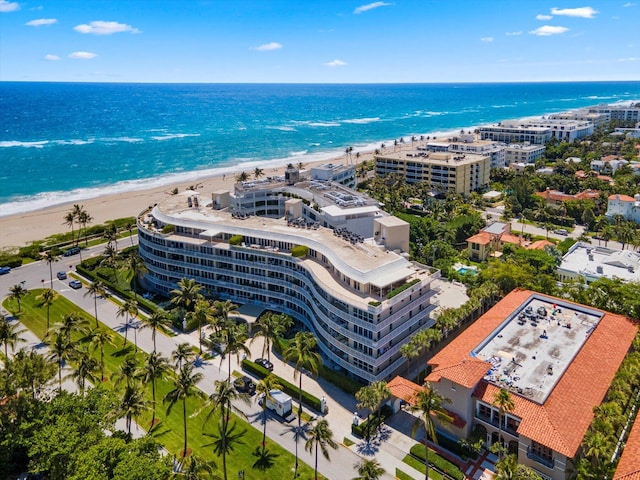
(533, 347)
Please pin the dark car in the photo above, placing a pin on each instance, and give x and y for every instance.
(245, 385)
(264, 363)
(62, 275)
(71, 251)
(5, 270)
(75, 284)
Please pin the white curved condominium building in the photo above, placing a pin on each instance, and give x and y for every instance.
(351, 286)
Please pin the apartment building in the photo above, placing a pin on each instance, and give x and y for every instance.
(537, 131)
(321, 253)
(342, 174)
(442, 171)
(522, 153)
(556, 358)
(467, 143)
(623, 113)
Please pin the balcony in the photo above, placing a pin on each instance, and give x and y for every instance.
(542, 461)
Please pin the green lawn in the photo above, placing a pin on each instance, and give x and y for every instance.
(169, 431)
(421, 467)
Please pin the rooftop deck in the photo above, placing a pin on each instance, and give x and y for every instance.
(533, 347)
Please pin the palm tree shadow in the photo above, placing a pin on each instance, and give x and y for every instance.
(297, 433)
(158, 430)
(371, 447)
(265, 459)
(123, 352)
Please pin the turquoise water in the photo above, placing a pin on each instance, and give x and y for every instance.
(63, 142)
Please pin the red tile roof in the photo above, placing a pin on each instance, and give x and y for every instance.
(629, 465)
(622, 198)
(540, 244)
(561, 422)
(482, 238)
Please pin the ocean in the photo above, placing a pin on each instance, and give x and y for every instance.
(62, 142)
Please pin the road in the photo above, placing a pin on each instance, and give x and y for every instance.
(341, 405)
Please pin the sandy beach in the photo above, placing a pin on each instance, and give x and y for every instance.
(22, 229)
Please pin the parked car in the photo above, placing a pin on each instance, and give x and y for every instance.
(62, 275)
(245, 385)
(5, 270)
(75, 284)
(264, 363)
(562, 231)
(71, 251)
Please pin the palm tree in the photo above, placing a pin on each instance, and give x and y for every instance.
(502, 399)
(16, 292)
(186, 295)
(111, 256)
(429, 403)
(367, 399)
(98, 338)
(182, 355)
(263, 390)
(84, 219)
(409, 350)
(155, 366)
(271, 326)
(225, 441)
(184, 387)
(70, 220)
(97, 289)
(50, 258)
(85, 368)
(129, 307)
(242, 177)
(382, 394)
(133, 404)
(35, 370)
(222, 401)
(130, 226)
(234, 337)
(71, 323)
(47, 297)
(61, 349)
(9, 335)
(368, 470)
(196, 468)
(201, 315)
(301, 353)
(320, 437)
(137, 268)
(155, 321)
(223, 309)
(110, 234)
(258, 172)
(76, 211)
(128, 371)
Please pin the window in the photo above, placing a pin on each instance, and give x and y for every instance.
(541, 451)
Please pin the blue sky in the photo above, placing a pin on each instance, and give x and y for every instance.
(319, 41)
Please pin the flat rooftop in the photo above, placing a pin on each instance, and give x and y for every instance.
(434, 158)
(595, 262)
(533, 347)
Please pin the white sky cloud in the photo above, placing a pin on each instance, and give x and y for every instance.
(487, 39)
(335, 63)
(548, 30)
(629, 4)
(100, 27)
(512, 34)
(629, 59)
(51, 58)
(6, 6)
(370, 6)
(582, 12)
(41, 21)
(267, 47)
(82, 55)
(543, 17)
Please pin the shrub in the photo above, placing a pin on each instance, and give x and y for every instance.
(12, 261)
(339, 380)
(299, 251)
(31, 251)
(235, 240)
(168, 228)
(402, 288)
(372, 423)
(375, 303)
(437, 461)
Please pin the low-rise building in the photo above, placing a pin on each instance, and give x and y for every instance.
(555, 198)
(491, 240)
(628, 207)
(587, 263)
(442, 171)
(330, 172)
(522, 153)
(324, 254)
(536, 131)
(468, 143)
(623, 113)
(556, 359)
(608, 165)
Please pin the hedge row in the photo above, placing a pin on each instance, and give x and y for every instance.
(288, 388)
(372, 423)
(402, 288)
(437, 461)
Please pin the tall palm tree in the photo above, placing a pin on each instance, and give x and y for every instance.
(111, 257)
(368, 470)
(130, 226)
(502, 399)
(234, 335)
(186, 295)
(47, 297)
(16, 292)
(367, 398)
(301, 353)
(202, 316)
(196, 468)
(50, 258)
(222, 401)
(137, 268)
(71, 323)
(9, 335)
(128, 372)
(242, 177)
(76, 211)
(70, 220)
(155, 366)
(127, 309)
(110, 234)
(98, 338)
(84, 219)
(257, 173)
(429, 403)
(155, 321)
(271, 326)
(263, 390)
(133, 404)
(84, 369)
(185, 386)
(182, 355)
(409, 350)
(320, 436)
(61, 350)
(223, 309)
(97, 289)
